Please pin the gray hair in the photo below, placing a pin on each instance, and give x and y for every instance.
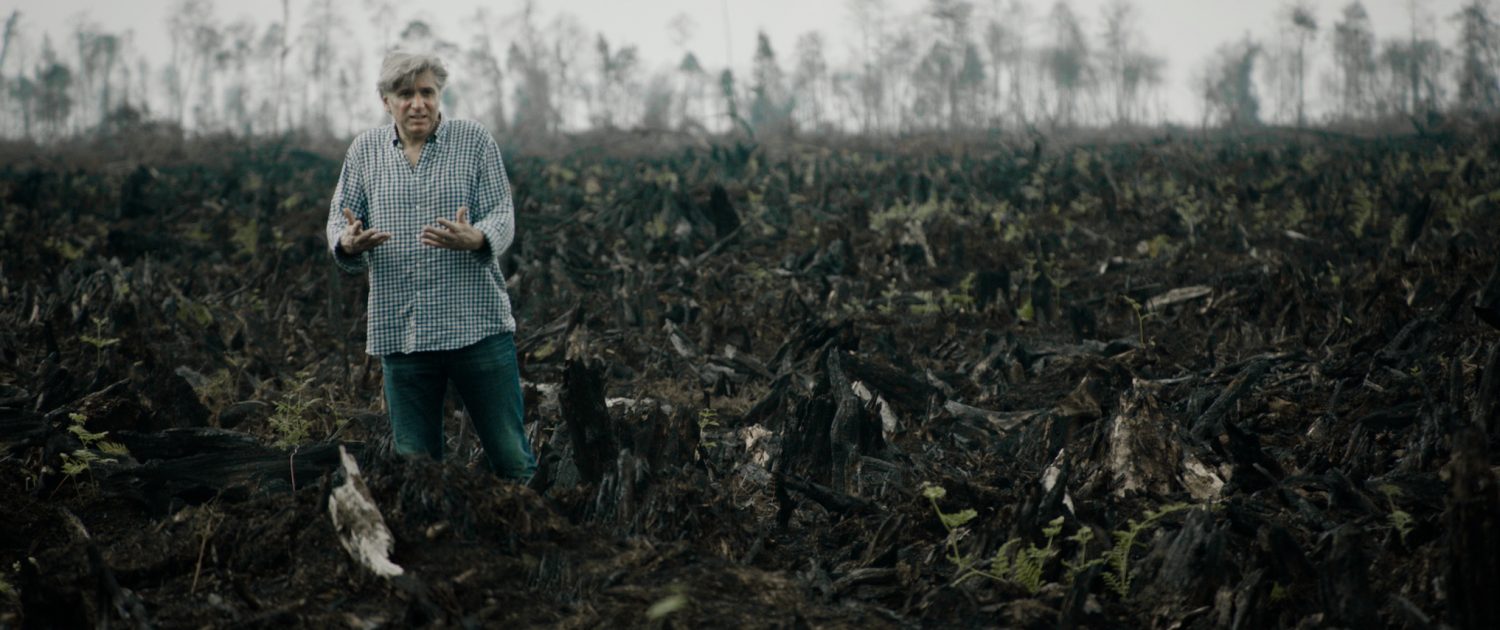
(401, 69)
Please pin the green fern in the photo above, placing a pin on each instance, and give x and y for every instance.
(1024, 564)
(1081, 562)
(1118, 557)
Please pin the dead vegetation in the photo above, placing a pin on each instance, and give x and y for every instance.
(1170, 383)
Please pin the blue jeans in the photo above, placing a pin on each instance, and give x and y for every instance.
(486, 376)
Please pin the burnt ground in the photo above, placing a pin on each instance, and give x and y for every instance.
(1240, 381)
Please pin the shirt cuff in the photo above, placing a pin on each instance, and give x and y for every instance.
(492, 235)
(351, 264)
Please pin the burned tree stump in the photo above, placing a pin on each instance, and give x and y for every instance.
(1489, 394)
(1487, 303)
(848, 435)
(1472, 520)
(722, 213)
(582, 400)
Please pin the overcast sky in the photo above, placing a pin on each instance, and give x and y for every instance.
(1185, 32)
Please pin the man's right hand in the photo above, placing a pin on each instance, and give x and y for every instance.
(356, 240)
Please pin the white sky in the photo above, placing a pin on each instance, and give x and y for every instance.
(1185, 32)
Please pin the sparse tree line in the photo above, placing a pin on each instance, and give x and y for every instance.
(953, 65)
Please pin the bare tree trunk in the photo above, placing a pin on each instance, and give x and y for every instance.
(10, 31)
(109, 69)
(283, 50)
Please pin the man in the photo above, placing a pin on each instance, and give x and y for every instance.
(424, 205)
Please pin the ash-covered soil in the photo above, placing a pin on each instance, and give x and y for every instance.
(1179, 383)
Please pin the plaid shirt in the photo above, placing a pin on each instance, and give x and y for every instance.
(426, 298)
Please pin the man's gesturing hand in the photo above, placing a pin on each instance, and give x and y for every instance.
(356, 240)
(457, 234)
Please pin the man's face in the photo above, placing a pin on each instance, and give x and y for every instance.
(414, 107)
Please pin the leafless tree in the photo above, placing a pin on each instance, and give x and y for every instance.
(770, 106)
(567, 40)
(1005, 41)
(901, 64)
(869, 20)
(616, 71)
(322, 29)
(953, 57)
(20, 91)
(730, 95)
(54, 79)
(1286, 64)
(1354, 61)
(1412, 67)
(484, 60)
(1068, 64)
(694, 83)
(283, 50)
(1130, 71)
(811, 78)
(9, 36)
(234, 64)
(1478, 52)
(1227, 85)
(690, 74)
(656, 108)
(383, 18)
(536, 114)
(98, 53)
(194, 32)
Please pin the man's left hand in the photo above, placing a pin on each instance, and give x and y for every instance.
(457, 234)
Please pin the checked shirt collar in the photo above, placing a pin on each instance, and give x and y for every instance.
(394, 137)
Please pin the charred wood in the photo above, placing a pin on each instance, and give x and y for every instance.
(595, 446)
(831, 499)
(1344, 585)
(1472, 521)
(1487, 406)
(235, 473)
(1487, 303)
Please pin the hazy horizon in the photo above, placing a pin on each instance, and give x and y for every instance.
(1183, 32)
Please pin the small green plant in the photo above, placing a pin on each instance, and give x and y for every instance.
(708, 420)
(1156, 247)
(953, 524)
(1401, 520)
(1011, 563)
(904, 214)
(247, 236)
(1081, 562)
(98, 340)
(290, 420)
(82, 460)
(219, 391)
(1026, 312)
(1118, 558)
(1024, 566)
(1279, 593)
(1140, 317)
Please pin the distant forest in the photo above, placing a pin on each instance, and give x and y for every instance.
(953, 65)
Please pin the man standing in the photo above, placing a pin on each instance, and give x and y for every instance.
(424, 205)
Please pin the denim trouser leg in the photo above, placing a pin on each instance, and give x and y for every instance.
(488, 379)
(414, 388)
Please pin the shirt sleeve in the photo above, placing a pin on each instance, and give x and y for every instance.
(349, 193)
(493, 211)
